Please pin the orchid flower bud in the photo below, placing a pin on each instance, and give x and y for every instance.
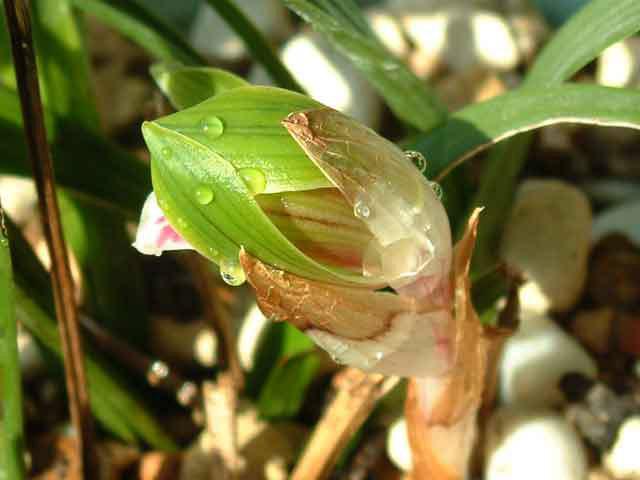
(319, 212)
(297, 185)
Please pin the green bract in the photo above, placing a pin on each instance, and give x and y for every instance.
(210, 161)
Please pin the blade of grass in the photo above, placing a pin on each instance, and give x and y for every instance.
(113, 292)
(112, 283)
(587, 33)
(187, 86)
(480, 125)
(342, 23)
(141, 26)
(11, 423)
(255, 42)
(597, 25)
(285, 389)
(19, 23)
(113, 178)
(113, 401)
(62, 62)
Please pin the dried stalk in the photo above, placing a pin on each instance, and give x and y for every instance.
(158, 373)
(220, 402)
(214, 314)
(357, 395)
(19, 23)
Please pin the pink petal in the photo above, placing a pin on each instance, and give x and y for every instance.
(155, 235)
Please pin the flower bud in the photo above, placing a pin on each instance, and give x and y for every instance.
(299, 186)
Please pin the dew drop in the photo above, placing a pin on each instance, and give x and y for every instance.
(437, 189)
(204, 195)
(3, 240)
(212, 126)
(182, 222)
(254, 179)
(361, 210)
(157, 372)
(232, 273)
(417, 159)
(166, 152)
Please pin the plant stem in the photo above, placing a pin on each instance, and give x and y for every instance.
(19, 23)
(158, 373)
(12, 440)
(358, 393)
(214, 314)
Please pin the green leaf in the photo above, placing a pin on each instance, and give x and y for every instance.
(112, 400)
(187, 154)
(285, 389)
(281, 341)
(255, 42)
(112, 178)
(187, 86)
(112, 279)
(63, 62)
(113, 284)
(342, 23)
(480, 125)
(11, 423)
(141, 26)
(596, 26)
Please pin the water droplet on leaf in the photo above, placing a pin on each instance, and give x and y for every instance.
(361, 210)
(212, 126)
(232, 273)
(166, 152)
(417, 159)
(204, 195)
(254, 179)
(437, 189)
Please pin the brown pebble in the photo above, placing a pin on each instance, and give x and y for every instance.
(628, 333)
(593, 328)
(614, 276)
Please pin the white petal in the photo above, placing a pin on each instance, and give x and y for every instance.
(391, 196)
(416, 344)
(155, 235)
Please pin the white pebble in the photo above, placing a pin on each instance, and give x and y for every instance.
(547, 238)
(252, 332)
(388, 30)
(398, 448)
(533, 446)
(328, 77)
(211, 36)
(623, 461)
(535, 359)
(619, 65)
(460, 35)
(19, 198)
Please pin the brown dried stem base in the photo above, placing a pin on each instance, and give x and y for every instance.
(357, 395)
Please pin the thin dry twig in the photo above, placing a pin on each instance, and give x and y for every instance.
(220, 401)
(214, 314)
(19, 23)
(357, 395)
(158, 373)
